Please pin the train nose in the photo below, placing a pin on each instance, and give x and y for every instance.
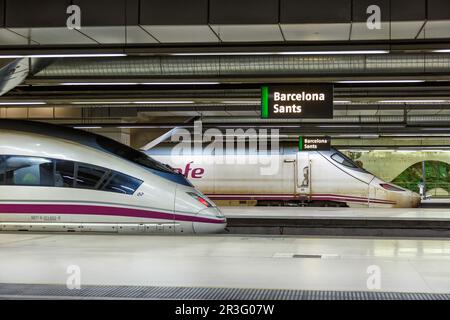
(216, 221)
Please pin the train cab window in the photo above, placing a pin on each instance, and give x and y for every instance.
(64, 173)
(340, 158)
(89, 177)
(133, 155)
(27, 171)
(121, 183)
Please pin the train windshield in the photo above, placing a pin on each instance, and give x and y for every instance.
(346, 161)
(132, 155)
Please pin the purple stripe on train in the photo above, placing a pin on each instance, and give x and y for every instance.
(99, 210)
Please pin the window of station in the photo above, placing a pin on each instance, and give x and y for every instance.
(34, 171)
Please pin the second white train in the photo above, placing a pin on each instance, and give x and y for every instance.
(314, 178)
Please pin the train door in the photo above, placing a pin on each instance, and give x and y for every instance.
(373, 194)
(303, 174)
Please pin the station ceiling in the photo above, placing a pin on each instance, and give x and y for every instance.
(159, 64)
(23, 22)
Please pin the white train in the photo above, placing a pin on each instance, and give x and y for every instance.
(313, 178)
(58, 179)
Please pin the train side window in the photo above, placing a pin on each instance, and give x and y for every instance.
(89, 177)
(64, 173)
(27, 171)
(342, 160)
(2, 170)
(121, 183)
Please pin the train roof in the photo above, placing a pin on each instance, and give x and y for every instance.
(88, 139)
(52, 130)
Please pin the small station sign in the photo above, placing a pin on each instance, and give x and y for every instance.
(314, 143)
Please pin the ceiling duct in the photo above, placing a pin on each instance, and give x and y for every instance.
(241, 66)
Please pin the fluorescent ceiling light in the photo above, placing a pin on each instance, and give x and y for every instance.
(342, 101)
(87, 127)
(241, 101)
(223, 54)
(258, 125)
(161, 102)
(442, 50)
(335, 52)
(97, 83)
(379, 81)
(101, 102)
(179, 83)
(280, 53)
(134, 83)
(22, 103)
(339, 126)
(70, 55)
(148, 127)
(367, 136)
(412, 101)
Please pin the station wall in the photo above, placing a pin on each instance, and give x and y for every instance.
(405, 168)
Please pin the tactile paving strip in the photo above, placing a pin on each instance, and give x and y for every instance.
(39, 291)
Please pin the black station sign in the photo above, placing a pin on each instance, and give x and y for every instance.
(297, 101)
(314, 143)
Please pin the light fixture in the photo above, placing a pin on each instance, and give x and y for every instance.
(70, 55)
(240, 101)
(101, 102)
(22, 103)
(351, 135)
(98, 83)
(441, 50)
(342, 101)
(162, 102)
(333, 52)
(379, 81)
(412, 101)
(180, 83)
(134, 83)
(87, 127)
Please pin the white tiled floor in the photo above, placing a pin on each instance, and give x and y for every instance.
(227, 261)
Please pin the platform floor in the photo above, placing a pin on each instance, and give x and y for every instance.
(300, 263)
(337, 213)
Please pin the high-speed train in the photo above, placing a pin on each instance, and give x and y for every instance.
(291, 177)
(54, 178)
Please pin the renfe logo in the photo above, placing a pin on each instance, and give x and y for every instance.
(188, 172)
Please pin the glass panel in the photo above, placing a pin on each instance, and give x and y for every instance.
(88, 177)
(64, 175)
(2, 170)
(27, 171)
(132, 155)
(121, 183)
(342, 160)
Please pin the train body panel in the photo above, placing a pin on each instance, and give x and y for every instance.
(297, 178)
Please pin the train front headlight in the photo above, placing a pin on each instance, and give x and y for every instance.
(200, 199)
